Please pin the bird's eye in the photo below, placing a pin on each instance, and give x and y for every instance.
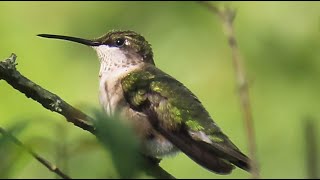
(119, 42)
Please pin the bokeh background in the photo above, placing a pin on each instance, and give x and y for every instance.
(279, 43)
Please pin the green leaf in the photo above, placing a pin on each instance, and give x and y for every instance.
(120, 140)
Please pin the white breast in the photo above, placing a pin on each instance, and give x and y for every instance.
(108, 94)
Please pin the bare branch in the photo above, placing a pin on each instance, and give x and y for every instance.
(47, 99)
(42, 160)
(311, 148)
(211, 8)
(227, 17)
(52, 102)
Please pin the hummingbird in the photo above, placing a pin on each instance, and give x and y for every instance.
(165, 115)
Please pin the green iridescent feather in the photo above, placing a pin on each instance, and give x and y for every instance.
(172, 101)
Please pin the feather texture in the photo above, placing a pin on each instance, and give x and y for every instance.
(177, 114)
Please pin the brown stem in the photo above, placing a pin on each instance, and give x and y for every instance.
(42, 160)
(227, 17)
(311, 148)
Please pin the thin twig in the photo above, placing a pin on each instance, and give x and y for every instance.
(52, 102)
(211, 8)
(311, 148)
(227, 17)
(152, 169)
(42, 160)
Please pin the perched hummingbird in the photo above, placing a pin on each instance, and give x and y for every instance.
(165, 115)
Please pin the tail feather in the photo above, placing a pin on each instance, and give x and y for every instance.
(243, 162)
(216, 157)
(199, 153)
(229, 153)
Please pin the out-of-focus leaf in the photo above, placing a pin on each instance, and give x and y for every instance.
(120, 140)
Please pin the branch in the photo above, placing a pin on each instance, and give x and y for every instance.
(42, 160)
(227, 17)
(310, 129)
(52, 102)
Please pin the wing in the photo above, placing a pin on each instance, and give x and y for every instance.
(177, 114)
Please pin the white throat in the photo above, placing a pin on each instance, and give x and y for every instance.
(114, 61)
(115, 65)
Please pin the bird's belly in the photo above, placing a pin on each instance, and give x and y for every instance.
(159, 147)
(153, 144)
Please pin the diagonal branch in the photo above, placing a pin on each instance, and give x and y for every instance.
(52, 102)
(42, 160)
(227, 17)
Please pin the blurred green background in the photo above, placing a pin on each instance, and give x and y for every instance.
(280, 46)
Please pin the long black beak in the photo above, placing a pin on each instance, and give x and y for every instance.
(73, 39)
